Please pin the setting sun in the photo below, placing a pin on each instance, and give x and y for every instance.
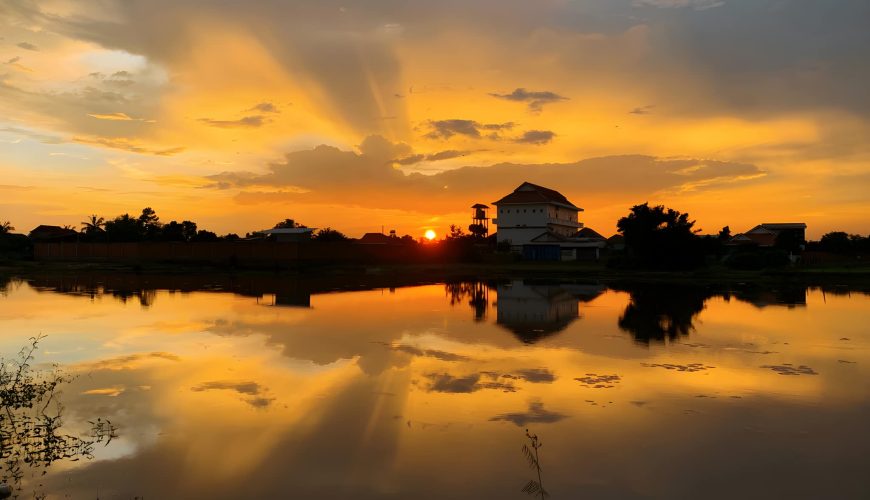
(429, 234)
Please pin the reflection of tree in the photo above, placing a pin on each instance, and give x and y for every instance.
(30, 420)
(477, 293)
(146, 296)
(662, 312)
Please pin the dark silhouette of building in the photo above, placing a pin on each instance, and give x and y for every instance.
(787, 235)
(45, 233)
(479, 220)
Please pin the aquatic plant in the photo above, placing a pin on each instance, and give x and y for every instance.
(31, 436)
(534, 488)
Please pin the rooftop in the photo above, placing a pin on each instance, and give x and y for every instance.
(287, 230)
(528, 194)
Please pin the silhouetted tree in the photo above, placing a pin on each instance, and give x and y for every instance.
(203, 235)
(231, 237)
(660, 237)
(455, 233)
(725, 234)
(329, 234)
(123, 228)
(150, 224)
(93, 226)
(6, 227)
(836, 242)
(288, 224)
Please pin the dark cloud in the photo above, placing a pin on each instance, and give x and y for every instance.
(252, 391)
(128, 145)
(253, 121)
(27, 46)
(536, 414)
(536, 137)
(264, 107)
(249, 388)
(431, 353)
(354, 67)
(446, 155)
(536, 375)
(642, 110)
(411, 159)
(440, 155)
(769, 57)
(676, 4)
(534, 100)
(445, 129)
(444, 382)
(123, 362)
(13, 60)
(327, 174)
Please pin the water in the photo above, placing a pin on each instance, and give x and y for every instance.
(265, 387)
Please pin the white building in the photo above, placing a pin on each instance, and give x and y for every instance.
(543, 225)
(533, 210)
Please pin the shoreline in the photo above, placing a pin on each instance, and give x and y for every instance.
(434, 272)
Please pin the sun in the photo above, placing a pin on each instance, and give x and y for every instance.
(429, 234)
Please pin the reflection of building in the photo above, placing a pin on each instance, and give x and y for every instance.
(543, 225)
(534, 311)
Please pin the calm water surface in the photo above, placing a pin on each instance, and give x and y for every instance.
(274, 389)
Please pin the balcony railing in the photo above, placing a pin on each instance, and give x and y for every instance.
(548, 220)
(564, 222)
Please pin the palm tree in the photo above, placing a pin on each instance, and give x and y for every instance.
(93, 225)
(6, 227)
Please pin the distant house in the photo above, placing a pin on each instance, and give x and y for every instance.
(377, 239)
(45, 234)
(543, 225)
(788, 235)
(616, 242)
(287, 234)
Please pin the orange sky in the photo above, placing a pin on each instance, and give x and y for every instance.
(403, 114)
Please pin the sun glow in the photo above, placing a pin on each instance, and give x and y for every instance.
(429, 234)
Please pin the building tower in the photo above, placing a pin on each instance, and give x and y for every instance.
(479, 220)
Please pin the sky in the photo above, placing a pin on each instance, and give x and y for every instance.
(402, 114)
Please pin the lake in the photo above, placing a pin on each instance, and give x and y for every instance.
(273, 387)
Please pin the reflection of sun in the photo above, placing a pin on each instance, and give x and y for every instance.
(429, 234)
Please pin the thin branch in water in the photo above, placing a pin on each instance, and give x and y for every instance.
(530, 452)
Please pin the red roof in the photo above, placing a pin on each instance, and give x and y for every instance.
(528, 194)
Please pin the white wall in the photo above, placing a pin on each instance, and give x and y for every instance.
(520, 223)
